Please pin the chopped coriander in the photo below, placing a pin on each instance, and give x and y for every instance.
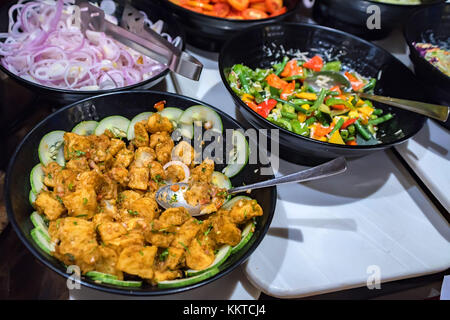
(163, 255)
(81, 215)
(59, 199)
(141, 253)
(70, 187)
(184, 246)
(173, 198)
(85, 201)
(209, 230)
(133, 213)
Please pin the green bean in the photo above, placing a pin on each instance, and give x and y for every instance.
(337, 126)
(296, 77)
(319, 100)
(297, 108)
(377, 112)
(382, 119)
(370, 85)
(288, 115)
(280, 67)
(301, 101)
(244, 83)
(334, 101)
(362, 131)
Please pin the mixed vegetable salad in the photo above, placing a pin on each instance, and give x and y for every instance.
(437, 56)
(235, 9)
(332, 115)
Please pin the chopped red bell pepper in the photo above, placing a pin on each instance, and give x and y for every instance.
(356, 84)
(336, 89)
(351, 143)
(292, 69)
(274, 81)
(288, 90)
(339, 107)
(315, 63)
(264, 108)
(348, 122)
(320, 131)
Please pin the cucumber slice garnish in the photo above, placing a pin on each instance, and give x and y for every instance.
(100, 275)
(222, 255)
(186, 130)
(37, 178)
(230, 203)
(246, 235)
(32, 197)
(39, 222)
(121, 283)
(209, 118)
(173, 114)
(85, 128)
(220, 180)
(238, 157)
(140, 117)
(187, 281)
(42, 240)
(118, 125)
(51, 148)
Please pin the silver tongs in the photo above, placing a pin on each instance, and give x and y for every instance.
(134, 34)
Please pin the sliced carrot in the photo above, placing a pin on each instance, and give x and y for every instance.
(279, 12)
(288, 90)
(274, 81)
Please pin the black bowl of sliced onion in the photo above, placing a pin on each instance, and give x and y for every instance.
(43, 48)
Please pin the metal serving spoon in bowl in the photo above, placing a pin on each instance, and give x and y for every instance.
(434, 111)
(168, 198)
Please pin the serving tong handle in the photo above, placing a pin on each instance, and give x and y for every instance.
(140, 38)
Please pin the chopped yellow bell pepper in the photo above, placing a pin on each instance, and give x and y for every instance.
(301, 117)
(353, 114)
(336, 138)
(366, 110)
(360, 103)
(305, 106)
(306, 95)
(247, 97)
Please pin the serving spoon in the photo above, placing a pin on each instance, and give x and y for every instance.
(333, 79)
(168, 198)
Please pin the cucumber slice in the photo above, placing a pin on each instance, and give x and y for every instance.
(173, 114)
(186, 130)
(220, 180)
(51, 148)
(42, 240)
(230, 203)
(100, 275)
(222, 255)
(118, 125)
(39, 222)
(203, 114)
(121, 283)
(140, 117)
(32, 197)
(187, 281)
(85, 128)
(239, 155)
(37, 178)
(246, 235)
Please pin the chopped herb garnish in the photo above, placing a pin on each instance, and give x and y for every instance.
(133, 213)
(163, 255)
(70, 256)
(59, 199)
(85, 201)
(75, 223)
(203, 169)
(141, 253)
(81, 215)
(209, 230)
(198, 221)
(70, 187)
(184, 246)
(49, 176)
(173, 198)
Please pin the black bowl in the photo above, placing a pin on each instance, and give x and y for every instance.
(128, 104)
(430, 25)
(64, 96)
(351, 15)
(265, 45)
(209, 33)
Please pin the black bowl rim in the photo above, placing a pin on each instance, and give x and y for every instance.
(238, 21)
(413, 51)
(407, 5)
(160, 75)
(110, 289)
(271, 125)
